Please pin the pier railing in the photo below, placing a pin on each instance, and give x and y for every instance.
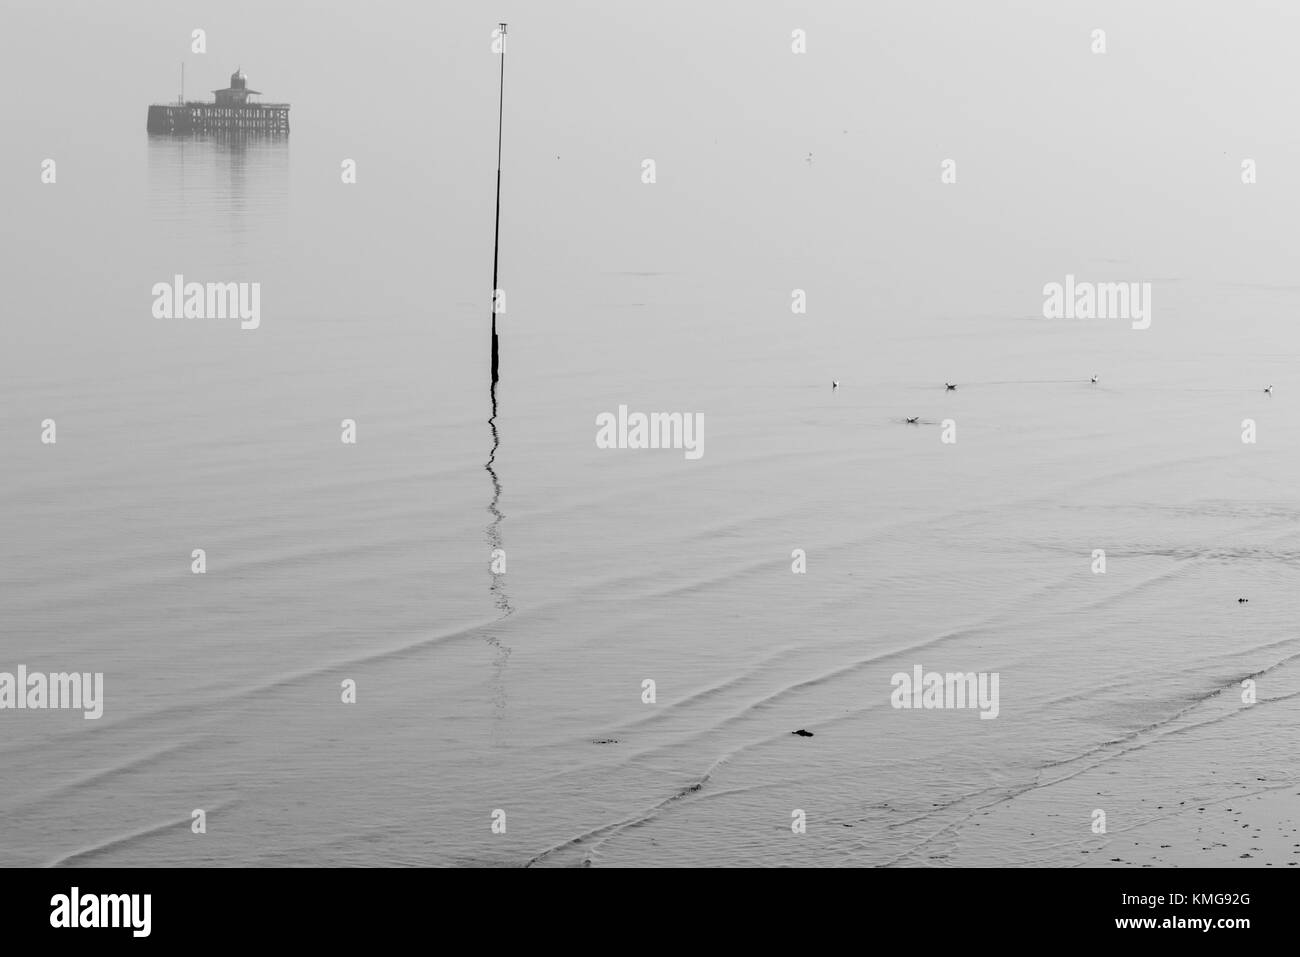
(210, 118)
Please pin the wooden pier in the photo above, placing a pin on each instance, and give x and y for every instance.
(231, 112)
(210, 118)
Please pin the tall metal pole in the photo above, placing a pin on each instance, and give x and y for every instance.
(496, 236)
(501, 651)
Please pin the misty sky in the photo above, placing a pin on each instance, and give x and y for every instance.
(1067, 161)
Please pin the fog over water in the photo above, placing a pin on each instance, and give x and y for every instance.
(775, 172)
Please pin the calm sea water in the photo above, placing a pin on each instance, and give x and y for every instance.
(523, 692)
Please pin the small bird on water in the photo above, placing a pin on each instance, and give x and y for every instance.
(802, 733)
(951, 387)
(835, 384)
(913, 420)
(1094, 380)
(1268, 389)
